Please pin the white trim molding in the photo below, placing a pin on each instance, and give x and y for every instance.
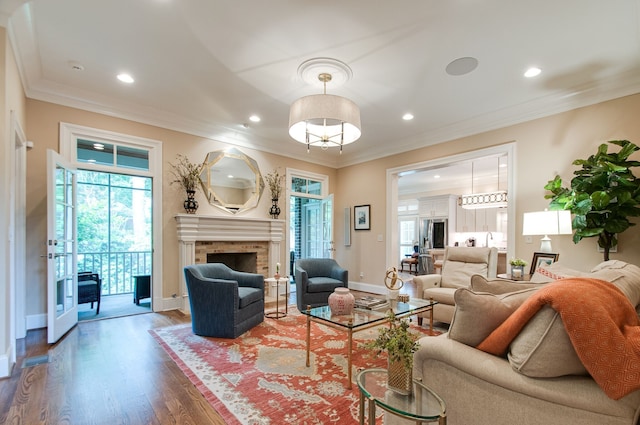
(193, 228)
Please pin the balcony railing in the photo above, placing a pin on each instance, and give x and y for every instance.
(116, 269)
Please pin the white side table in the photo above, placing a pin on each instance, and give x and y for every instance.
(272, 281)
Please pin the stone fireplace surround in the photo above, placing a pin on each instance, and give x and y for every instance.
(199, 234)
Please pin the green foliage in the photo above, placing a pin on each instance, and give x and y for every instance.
(517, 262)
(397, 340)
(603, 195)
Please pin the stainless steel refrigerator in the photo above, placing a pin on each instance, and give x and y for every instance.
(433, 233)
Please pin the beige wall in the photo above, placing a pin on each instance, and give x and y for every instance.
(43, 128)
(544, 148)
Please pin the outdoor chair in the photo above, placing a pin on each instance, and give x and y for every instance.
(89, 289)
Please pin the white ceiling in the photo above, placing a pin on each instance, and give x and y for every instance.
(204, 67)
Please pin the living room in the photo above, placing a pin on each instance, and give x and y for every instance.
(543, 147)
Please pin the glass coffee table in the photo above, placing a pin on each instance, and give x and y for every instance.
(362, 319)
(422, 406)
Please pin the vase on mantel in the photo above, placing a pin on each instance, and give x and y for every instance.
(341, 302)
(275, 209)
(191, 205)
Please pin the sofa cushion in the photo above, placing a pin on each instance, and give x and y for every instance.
(543, 349)
(623, 275)
(478, 314)
(498, 286)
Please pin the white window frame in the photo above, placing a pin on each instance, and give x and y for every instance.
(69, 135)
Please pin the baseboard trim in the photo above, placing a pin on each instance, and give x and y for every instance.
(6, 363)
(36, 321)
(368, 287)
(174, 303)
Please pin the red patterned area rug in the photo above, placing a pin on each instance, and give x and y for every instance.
(261, 377)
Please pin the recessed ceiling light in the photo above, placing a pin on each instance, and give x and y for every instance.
(532, 72)
(125, 78)
(437, 176)
(407, 117)
(254, 118)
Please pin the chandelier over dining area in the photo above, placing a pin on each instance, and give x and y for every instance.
(324, 120)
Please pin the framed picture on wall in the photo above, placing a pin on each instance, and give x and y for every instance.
(362, 217)
(542, 259)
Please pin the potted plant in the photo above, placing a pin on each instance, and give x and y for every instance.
(517, 267)
(274, 181)
(187, 175)
(400, 344)
(603, 195)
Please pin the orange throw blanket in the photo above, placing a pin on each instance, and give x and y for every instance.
(601, 322)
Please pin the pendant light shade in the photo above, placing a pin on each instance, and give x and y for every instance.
(324, 120)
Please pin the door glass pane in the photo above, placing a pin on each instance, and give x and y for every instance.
(63, 242)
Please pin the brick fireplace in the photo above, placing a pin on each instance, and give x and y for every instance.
(199, 235)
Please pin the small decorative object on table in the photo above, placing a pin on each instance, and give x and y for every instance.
(274, 180)
(277, 275)
(400, 344)
(393, 282)
(517, 268)
(341, 302)
(187, 175)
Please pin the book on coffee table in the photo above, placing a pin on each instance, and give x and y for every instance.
(369, 302)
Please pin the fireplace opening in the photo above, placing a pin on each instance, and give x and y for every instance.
(239, 261)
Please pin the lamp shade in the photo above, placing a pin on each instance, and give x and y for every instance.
(547, 223)
(324, 120)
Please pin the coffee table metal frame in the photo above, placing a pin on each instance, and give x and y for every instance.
(277, 314)
(405, 406)
(362, 319)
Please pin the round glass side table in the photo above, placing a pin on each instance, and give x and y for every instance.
(422, 406)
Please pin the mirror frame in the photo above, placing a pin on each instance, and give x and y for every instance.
(206, 177)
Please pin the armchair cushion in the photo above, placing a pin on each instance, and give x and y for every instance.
(499, 286)
(460, 263)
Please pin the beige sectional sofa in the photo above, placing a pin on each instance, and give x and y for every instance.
(541, 380)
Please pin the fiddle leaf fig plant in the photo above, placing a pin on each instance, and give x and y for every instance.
(603, 195)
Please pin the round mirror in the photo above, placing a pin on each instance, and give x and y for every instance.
(231, 180)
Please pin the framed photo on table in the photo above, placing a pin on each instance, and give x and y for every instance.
(542, 259)
(362, 217)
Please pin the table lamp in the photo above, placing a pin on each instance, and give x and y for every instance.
(547, 223)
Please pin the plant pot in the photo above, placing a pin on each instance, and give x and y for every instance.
(517, 272)
(341, 302)
(191, 205)
(400, 378)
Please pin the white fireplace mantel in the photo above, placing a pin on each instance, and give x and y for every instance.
(193, 228)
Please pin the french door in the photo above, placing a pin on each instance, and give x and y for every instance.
(62, 284)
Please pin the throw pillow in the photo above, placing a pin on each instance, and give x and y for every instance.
(498, 286)
(552, 272)
(543, 348)
(477, 314)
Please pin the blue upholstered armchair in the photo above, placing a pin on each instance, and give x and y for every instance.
(224, 303)
(316, 279)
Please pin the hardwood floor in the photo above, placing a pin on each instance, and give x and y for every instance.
(105, 372)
